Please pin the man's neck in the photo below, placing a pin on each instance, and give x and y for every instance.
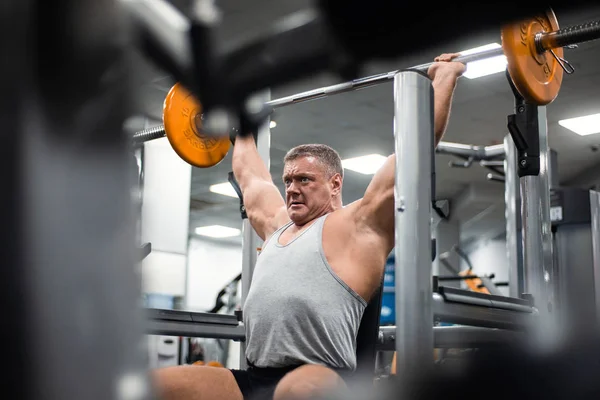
(300, 226)
(335, 205)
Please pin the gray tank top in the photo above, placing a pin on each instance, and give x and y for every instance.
(298, 311)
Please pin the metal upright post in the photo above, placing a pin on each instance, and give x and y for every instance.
(537, 236)
(512, 200)
(528, 127)
(72, 237)
(553, 173)
(553, 186)
(18, 21)
(595, 228)
(413, 133)
(250, 241)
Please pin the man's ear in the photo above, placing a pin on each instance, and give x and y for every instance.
(336, 184)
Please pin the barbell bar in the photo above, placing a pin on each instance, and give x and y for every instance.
(373, 80)
(568, 36)
(533, 48)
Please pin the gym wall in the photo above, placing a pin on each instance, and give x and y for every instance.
(165, 219)
(211, 265)
(589, 179)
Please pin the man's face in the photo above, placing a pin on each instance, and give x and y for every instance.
(308, 189)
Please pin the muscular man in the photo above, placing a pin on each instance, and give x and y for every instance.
(320, 264)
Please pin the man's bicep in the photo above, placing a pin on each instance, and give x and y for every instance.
(375, 211)
(264, 206)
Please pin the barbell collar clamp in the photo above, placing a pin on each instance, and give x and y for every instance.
(564, 64)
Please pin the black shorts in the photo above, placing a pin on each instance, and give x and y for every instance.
(259, 383)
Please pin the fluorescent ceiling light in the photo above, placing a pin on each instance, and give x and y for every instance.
(480, 49)
(224, 188)
(272, 124)
(487, 66)
(217, 231)
(586, 125)
(367, 165)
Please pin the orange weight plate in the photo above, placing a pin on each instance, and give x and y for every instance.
(537, 76)
(215, 364)
(182, 118)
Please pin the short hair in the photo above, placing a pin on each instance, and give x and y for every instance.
(327, 156)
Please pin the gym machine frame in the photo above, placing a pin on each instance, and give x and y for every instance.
(413, 131)
(528, 130)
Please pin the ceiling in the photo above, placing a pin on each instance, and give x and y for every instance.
(360, 122)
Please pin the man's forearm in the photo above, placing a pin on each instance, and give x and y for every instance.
(246, 161)
(443, 87)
